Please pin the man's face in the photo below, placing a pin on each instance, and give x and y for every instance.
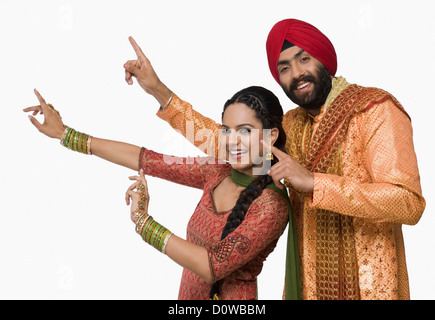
(303, 78)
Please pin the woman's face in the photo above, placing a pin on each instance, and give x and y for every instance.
(241, 135)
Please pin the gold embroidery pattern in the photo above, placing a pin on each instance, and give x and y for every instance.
(334, 260)
(223, 249)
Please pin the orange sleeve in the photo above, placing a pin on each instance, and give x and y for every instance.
(393, 193)
(202, 132)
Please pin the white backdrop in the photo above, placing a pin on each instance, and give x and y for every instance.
(65, 231)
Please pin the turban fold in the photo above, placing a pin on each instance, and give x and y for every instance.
(306, 37)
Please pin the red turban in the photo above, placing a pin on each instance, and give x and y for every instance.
(306, 37)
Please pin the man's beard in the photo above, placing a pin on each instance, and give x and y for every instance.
(322, 83)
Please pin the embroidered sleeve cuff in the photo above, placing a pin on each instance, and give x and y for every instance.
(225, 256)
(171, 110)
(318, 191)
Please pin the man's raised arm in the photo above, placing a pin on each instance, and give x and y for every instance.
(199, 130)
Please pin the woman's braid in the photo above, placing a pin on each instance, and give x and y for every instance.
(269, 111)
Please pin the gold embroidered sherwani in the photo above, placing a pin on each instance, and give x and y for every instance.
(366, 185)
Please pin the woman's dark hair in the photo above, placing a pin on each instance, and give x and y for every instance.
(269, 111)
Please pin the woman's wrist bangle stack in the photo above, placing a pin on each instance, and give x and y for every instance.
(76, 141)
(152, 232)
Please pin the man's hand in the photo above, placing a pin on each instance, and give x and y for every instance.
(288, 168)
(147, 78)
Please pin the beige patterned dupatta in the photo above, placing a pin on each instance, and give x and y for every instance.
(334, 275)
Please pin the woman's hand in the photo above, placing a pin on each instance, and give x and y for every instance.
(138, 194)
(147, 78)
(52, 126)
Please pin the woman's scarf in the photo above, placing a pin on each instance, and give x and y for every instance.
(292, 275)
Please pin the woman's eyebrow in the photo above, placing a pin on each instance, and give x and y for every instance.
(240, 125)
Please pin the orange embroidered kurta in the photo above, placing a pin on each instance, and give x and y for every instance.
(378, 188)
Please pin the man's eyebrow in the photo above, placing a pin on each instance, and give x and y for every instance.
(297, 55)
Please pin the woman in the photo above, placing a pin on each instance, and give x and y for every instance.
(241, 214)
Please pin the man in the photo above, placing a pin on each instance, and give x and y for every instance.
(351, 168)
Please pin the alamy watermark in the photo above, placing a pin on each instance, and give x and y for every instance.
(234, 148)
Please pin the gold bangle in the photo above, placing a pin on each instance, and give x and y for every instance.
(140, 227)
(88, 145)
(62, 139)
(141, 221)
(165, 242)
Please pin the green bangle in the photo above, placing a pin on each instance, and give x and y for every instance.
(153, 233)
(76, 141)
(65, 136)
(165, 242)
(71, 139)
(146, 226)
(150, 230)
(162, 239)
(157, 243)
(79, 142)
(154, 236)
(68, 137)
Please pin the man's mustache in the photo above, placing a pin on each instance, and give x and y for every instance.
(305, 78)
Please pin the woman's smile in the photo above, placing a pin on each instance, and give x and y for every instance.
(238, 154)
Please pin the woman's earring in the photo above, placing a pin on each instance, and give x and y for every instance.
(269, 155)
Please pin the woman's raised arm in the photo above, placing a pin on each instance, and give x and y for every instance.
(120, 153)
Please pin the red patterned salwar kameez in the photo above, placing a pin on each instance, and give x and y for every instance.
(238, 259)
